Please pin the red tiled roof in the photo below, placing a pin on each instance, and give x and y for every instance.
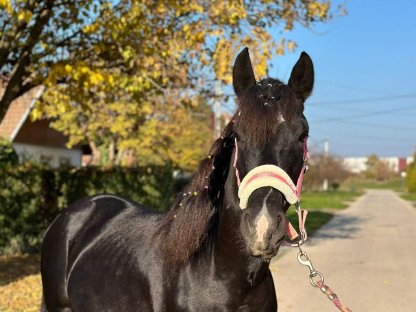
(17, 112)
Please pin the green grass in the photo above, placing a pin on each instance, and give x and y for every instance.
(328, 200)
(396, 184)
(315, 201)
(411, 197)
(314, 220)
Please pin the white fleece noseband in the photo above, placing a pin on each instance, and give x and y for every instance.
(267, 175)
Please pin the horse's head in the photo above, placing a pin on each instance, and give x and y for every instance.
(270, 129)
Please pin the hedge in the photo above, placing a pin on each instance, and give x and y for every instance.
(411, 177)
(31, 196)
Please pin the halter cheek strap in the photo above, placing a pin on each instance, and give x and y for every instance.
(237, 175)
(276, 177)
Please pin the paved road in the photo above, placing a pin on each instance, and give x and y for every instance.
(367, 254)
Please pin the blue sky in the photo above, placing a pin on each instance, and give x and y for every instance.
(364, 100)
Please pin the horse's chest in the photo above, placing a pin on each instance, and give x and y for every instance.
(210, 294)
(197, 295)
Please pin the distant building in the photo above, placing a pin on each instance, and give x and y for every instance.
(35, 140)
(359, 164)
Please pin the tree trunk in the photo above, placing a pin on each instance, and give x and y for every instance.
(20, 72)
(96, 155)
(111, 152)
(13, 86)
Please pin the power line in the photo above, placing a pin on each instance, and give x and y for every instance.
(384, 126)
(388, 147)
(348, 87)
(341, 138)
(370, 137)
(364, 100)
(382, 112)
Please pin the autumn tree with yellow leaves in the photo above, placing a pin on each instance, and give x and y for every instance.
(130, 75)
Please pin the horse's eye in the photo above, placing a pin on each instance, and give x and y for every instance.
(303, 137)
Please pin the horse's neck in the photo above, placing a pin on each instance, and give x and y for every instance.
(229, 250)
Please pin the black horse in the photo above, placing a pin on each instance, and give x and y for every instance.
(107, 253)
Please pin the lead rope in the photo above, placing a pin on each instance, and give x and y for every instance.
(302, 256)
(304, 260)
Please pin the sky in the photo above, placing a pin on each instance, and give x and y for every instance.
(364, 98)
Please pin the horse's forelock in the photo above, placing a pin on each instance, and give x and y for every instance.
(259, 117)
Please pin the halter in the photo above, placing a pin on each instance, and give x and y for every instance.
(276, 177)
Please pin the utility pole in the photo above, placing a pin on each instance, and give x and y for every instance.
(326, 153)
(217, 110)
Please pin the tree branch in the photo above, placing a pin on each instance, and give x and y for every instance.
(26, 88)
(15, 83)
(21, 68)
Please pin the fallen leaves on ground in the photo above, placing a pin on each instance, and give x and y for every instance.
(20, 283)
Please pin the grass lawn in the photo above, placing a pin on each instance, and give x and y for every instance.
(396, 184)
(314, 201)
(409, 197)
(328, 200)
(314, 220)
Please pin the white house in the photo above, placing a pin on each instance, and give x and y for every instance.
(359, 164)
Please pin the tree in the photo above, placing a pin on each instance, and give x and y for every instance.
(159, 132)
(130, 51)
(378, 169)
(411, 175)
(325, 167)
(36, 35)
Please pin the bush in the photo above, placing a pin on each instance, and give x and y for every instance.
(8, 155)
(324, 167)
(411, 177)
(31, 196)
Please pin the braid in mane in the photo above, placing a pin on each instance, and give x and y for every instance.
(188, 224)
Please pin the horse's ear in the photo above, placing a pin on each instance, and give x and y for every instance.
(243, 74)
(302, 76)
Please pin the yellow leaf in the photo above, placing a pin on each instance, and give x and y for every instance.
(291, 46)
(68, 68)
(5, 4)
(24, 15)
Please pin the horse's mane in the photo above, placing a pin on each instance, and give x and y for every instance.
(191, 220)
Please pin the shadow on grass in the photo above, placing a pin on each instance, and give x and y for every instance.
(15, 267)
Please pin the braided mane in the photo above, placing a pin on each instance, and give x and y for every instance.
(188, 224)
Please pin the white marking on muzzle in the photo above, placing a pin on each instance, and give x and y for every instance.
(262, 222)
